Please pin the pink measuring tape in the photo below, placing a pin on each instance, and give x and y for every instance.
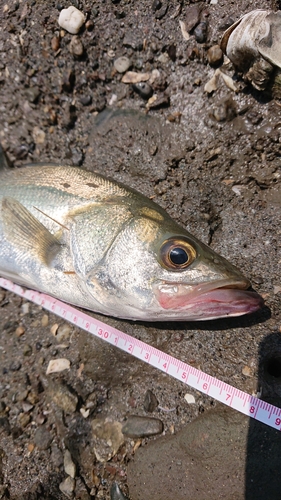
(216, 389)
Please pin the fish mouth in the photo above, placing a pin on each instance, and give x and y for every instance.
(219, 299)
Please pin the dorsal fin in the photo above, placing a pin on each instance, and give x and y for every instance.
(5, 163)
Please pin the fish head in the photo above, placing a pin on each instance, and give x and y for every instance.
(155, 270)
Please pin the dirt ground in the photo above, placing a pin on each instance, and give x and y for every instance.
(213, 162)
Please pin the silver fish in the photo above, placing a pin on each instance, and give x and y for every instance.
(98, 244)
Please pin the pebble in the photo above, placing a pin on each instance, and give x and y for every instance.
(42, 438)
(38, 135)
(189, 398)
(192, 16)
(143, 89)
(158, 101)
(63, 332)
(134, 77)
(214, 55)
(200, 32)
(76, 47)
(67, 486)
(20, 331)
(71, 19)
(116, 493)
(63, 397)
(246, 370)
(136, 426)
(54, 329)
(55, 43)
(164, 58)
(69, 465)
(15, 366)
(122, 64)
(23, 419)
(150, 401)
(160, 13)
(58, 365)
(56, 456)
(27, 350)
(108, 438)
(77, 156)
(86, 100)
(32, 94)
(45, 320)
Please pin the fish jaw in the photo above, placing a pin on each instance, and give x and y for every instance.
(220, 299)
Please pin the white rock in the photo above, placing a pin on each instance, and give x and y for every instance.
(189, 398)
(58, 365)
(69, 465)
(71, 19)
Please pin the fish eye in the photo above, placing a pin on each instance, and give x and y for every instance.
(177, 254)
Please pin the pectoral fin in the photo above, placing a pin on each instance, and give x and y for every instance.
(26, 233)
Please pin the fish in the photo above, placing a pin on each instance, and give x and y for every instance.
(95, 243)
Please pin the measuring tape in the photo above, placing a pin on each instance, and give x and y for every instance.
(225, 393)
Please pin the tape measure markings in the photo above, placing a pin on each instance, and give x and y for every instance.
(213, 387)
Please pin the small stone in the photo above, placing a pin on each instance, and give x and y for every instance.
(76, 47)
(32, 94)
(55, 43)
(192, 16)
(122, 64)
(189, 398)
(54, 329)
(38, 135)
(247, 371)
(133, 77)
(63, 332)
(150, 401)
(27, 406)
(136, 426)
(86, 100)
(164, 58)
(77, 157)
(144, 90)
(15, 366)
(89, 25)
(108, 438)
(67, 486)
(56, 456)
(69, 465)
(45, 320)
(200, 32)
(23, 419)
(71, 19)
(58, 365)
(21, 151)
(27, 350)
(160, 13)
(214, 55)
(116, 493)
(63, 397)
(156, 5)
(42, 438)
(20, 331)
(158, 101)
(30, 448)
(131, 41)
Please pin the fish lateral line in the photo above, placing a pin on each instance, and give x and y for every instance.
(49, 217)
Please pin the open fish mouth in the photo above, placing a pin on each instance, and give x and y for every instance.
(219, 299)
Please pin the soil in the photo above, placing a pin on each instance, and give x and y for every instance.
(213, 162)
